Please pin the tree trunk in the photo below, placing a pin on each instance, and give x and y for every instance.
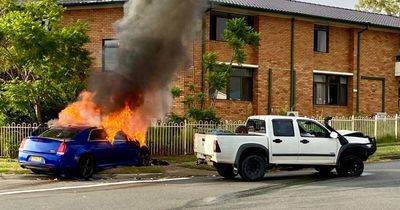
(38, 111)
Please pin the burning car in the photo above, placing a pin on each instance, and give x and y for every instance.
(79, 151)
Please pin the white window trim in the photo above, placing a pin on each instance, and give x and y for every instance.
(239, 65)
(333, 73)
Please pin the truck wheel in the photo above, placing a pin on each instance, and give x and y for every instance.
(225, 170)
(324, 169)
(350, 166)
(252, 168)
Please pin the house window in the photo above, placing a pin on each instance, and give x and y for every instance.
(330, 90)
(321, 38)
(240, 86)
(110, 52)
(219, 21)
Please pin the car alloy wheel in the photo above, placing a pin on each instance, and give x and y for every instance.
(86, 167)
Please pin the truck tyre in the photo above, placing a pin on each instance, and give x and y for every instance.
(225, 170)
(324, 169)
(350, 165)
(252, 168)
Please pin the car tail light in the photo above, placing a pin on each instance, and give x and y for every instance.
(216, 146)
(22, 144)
(61, 149)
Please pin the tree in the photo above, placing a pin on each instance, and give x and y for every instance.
(43, 63)
(390, 7)
(237, 35)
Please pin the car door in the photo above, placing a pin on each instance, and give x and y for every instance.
(284, 143)
(316, 147)
(100, 147)
(121, 149)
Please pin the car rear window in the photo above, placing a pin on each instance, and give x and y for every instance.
(60, 133)
(256, 125)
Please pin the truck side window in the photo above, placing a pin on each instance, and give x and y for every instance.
(283, 127)
(311, 129)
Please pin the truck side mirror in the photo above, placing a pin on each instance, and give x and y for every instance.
(334, 135)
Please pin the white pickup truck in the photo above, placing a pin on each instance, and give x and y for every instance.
(270, 141)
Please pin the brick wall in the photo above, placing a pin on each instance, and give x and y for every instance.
(378, 50)
(100, 21)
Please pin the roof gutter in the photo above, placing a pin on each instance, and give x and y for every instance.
(300, 15)
(358, 67)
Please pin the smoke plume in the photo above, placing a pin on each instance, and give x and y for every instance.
(153, 39)
(154, 36)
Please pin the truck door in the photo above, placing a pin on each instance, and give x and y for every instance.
(316, 147)
(284, 143)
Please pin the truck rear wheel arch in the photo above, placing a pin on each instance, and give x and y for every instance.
(251, 149)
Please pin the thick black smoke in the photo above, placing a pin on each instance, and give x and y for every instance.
(153, 39)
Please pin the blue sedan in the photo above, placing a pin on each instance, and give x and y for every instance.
(80, 150)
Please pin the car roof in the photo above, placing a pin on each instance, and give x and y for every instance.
(73, 127)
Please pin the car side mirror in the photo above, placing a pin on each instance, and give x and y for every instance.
(333, 135)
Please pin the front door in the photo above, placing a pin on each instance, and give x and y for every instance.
(284, 143)
(316, 147)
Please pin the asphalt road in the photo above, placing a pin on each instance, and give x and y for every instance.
(377, 188)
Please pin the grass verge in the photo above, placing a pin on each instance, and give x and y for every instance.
(11, 166)
(385, 152)
(186, 161)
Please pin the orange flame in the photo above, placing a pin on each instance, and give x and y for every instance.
(86, 113)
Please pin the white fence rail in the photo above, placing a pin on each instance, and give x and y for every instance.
(177, 139)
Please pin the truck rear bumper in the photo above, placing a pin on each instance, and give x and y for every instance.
(204, 159)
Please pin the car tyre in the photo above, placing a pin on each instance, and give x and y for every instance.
(225, 170)
(324, 169)
(350, 166)
(252, 168)
(145, 156)
(86, 166)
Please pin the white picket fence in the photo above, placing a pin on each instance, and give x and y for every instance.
(177, 138)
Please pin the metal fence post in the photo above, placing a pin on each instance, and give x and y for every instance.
(184, 137)
(376, 126)
(395, 125)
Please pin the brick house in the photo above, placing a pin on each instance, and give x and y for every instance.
(313, 59)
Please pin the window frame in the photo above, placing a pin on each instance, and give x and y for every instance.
(318, 28)
(326, 131)
(103, 58)
(96, 129)
(228, 86)
(327, 84)
(213, 22)
(273, 127)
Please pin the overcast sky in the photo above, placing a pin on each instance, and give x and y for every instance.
(337, 3)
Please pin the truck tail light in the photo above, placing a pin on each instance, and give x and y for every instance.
(61, 149)
(216, 146)
(21, 145)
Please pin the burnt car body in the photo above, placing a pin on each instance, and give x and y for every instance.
(78, 150)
